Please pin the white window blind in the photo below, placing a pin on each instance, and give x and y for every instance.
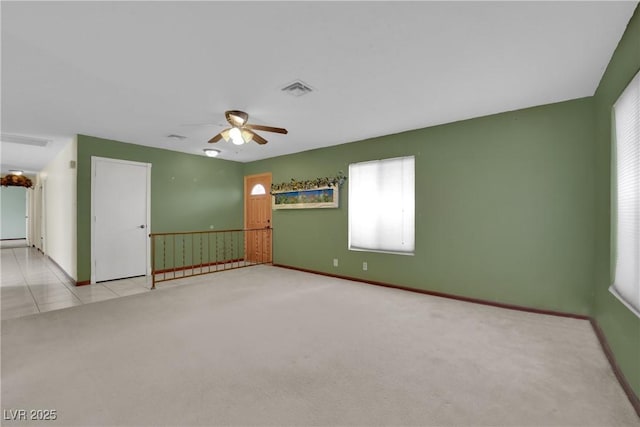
(382, 205)
(626, 285)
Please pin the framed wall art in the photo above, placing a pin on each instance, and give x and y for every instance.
(322, 197)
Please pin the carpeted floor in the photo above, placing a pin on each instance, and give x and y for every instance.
(270, 346)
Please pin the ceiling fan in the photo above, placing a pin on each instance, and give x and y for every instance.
(242, 132)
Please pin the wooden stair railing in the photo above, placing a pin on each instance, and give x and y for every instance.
(184, 254)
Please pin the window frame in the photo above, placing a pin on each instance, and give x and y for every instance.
(632, 305)
(383, 250)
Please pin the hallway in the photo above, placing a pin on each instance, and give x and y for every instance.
(31, 283)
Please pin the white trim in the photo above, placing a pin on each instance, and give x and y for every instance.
(381, 252)
(94, 160)
(615, 293)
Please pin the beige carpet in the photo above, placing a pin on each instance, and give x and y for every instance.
(270, 346)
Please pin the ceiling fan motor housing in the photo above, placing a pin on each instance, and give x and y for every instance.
(236, 118)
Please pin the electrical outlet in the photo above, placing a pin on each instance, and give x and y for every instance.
(335, 262)
(365, 266)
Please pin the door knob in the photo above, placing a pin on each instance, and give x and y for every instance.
(141, 226)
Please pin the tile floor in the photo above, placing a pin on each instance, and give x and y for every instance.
(31, 283)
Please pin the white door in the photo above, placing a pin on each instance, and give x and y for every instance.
(120, 210)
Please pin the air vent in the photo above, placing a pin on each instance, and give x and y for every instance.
(24, 140)
(297, 88)
(176, 137)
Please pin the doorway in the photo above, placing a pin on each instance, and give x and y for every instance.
(14, 216)
(257, 215)
(120, 219)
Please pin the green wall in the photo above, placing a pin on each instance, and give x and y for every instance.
(188, 192)
(14, 212)
(504, 209)
(621, 327)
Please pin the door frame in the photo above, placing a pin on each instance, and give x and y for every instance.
(27, 217)
(42, 238)
(94, 161)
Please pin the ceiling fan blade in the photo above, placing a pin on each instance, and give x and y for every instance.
(266, 128)
(216, 138)
(224, 134)
(257, 138)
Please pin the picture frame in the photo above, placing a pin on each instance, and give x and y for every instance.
(314, 198)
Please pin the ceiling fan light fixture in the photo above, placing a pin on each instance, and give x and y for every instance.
(236, 136)
(247, 136)
(211, 152)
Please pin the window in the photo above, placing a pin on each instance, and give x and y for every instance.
(626, 284)
(258, 189)
(382, 205)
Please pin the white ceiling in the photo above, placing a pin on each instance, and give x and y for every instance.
(139, 71)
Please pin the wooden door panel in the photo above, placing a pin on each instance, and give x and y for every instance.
(258, 216)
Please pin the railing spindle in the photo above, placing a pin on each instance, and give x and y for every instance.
(201, 253)
(224, 249)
